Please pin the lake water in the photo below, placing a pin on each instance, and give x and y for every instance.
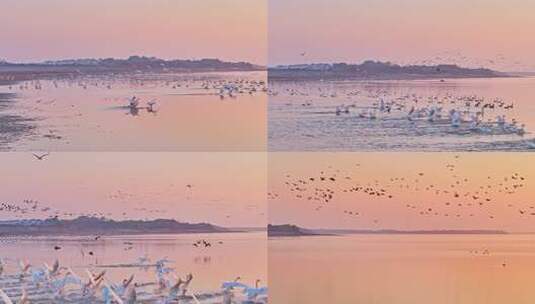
(302, 115)
(231, 255)
(91, 113)
(402, 269)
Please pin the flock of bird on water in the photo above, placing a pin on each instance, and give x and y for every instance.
(34, 284)
(59, 284)
(223, 88)
(127, 96)
(446, 112)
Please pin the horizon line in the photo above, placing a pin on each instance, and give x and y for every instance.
(401, 231)
(43, 61)
(271, 66)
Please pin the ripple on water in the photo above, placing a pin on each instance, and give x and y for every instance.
(302, 116)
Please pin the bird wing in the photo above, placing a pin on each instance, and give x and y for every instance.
(55, 267)
(72, 273)
(113, 294)
(23, 297)
(195, 298)
(91, 277)
(129, 280)
(5, 298)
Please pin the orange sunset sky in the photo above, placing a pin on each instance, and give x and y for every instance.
(415, 202)
(34, 30)
(227, 189)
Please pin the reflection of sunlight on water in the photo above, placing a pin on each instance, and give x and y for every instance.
(202, 260)
(441, 269)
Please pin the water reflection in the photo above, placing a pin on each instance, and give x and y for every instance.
(418, 115)
(208, 111)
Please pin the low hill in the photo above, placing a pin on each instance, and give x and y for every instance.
(132, 64)
(101, 226)
(287, 230)
(293, 230)
(376, 70)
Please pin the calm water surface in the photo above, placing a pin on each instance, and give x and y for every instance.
(402, 269)
(90, 113)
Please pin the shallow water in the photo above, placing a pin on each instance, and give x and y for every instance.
(239, 254)
(90, 113)
(12, 126)
(302, 115)
(405, 269)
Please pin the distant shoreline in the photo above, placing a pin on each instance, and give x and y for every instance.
(90, 226)
(13, 72)
(293, 230)
(322, 77)
(376, 70)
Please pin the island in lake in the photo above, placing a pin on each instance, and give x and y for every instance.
(377, 70)
(288, 230)
(293, 230)
(84, 225)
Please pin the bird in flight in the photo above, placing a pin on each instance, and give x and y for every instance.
(41, 157)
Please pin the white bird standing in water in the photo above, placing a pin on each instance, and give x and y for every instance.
(131, 295)
(134, 102)
(410, 114)
(24, 267)
(455, 118)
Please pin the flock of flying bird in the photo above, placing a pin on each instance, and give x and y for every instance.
(459, 196)
(498, 62)
(31, 207)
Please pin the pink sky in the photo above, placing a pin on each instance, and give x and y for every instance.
(403, 31)
(367, 169)
(226, 188)
(34, 30)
